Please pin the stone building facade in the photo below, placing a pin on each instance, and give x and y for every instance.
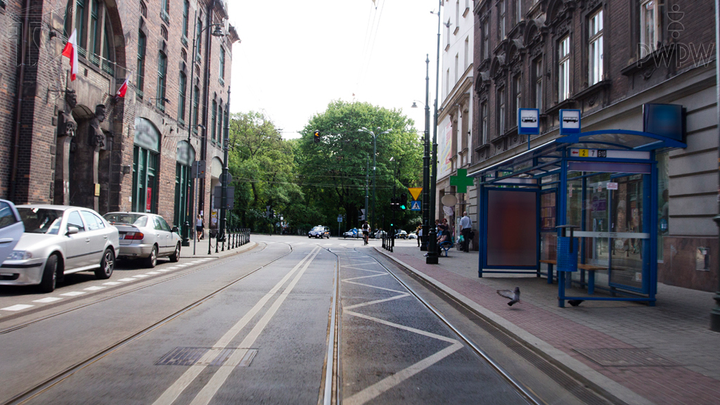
(75, 142)
(455, 110)
(608, 58)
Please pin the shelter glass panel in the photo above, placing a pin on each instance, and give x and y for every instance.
(512, 228)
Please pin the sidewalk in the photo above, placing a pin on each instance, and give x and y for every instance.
(200, 248)
(664, 354)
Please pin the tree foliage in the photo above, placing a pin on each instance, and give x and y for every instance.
(335, 171)
(310, 183)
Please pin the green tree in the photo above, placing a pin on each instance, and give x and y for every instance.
(263, 169)
(334, 172)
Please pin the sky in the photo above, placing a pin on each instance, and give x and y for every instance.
(296, 57)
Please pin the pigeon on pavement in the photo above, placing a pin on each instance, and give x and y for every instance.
(513, 296)
(575, 302)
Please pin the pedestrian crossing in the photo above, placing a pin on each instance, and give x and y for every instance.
(60, 296)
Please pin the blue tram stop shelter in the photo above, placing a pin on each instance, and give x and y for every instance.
(581, 209)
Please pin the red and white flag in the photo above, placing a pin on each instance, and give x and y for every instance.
(71, 51)
(123, 89)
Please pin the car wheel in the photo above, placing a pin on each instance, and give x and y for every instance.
(176, 255)
(49, 277)
(151, 260)
(107, 265)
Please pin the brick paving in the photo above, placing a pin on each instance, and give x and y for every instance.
(685, 352)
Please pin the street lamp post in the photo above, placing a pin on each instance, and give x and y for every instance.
(218, 32)
(426, 161)
(432, 254)
(225, 177)
(363, 129)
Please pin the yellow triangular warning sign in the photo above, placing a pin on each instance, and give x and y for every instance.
(415, 192)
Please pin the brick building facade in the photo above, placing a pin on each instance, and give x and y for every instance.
(74, 142)
(608, 58)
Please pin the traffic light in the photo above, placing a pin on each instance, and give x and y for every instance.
(316, 136)
(403, 202)
(394, 204)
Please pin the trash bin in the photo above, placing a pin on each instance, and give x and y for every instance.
(567, 249)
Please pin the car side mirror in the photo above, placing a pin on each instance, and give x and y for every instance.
(175, 229)
(72, 230)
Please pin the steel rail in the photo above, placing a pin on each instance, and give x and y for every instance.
(70, 371)
(518, 387)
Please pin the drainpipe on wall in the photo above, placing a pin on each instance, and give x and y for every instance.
(715, 313)
(206, 96)
(12, 192)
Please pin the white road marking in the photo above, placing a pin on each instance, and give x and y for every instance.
(18, 307)
(152, 273)
(95, 288)
(377, 389)
(219, 378)
(127, 279)
(141, 276)
(164, 270)
(74, 293)
(111, 283)
(47, 300)
(174, 391)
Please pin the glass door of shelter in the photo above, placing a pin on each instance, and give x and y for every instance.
(614, 230)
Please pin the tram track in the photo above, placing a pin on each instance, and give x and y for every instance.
(528, 396)
(571, 382)
(58, 378)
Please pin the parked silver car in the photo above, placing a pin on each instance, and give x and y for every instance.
(60, 240)
(145, 236)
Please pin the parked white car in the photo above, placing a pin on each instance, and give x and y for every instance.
(145, 236)
(11, 228)
(60, 240)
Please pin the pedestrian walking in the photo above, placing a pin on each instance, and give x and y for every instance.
(199, 228)
(465, 231)
(418, 232)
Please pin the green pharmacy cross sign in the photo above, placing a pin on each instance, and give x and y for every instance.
(461, 181)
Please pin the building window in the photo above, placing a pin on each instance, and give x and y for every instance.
(518, 11)
(186, 22)
(198, 34)
(486, 38)
(165, 10)
(466, 60)
(220, 121)
(142, 40)
(93, 32)
(213, 121)
(161, 81)
(517, 100)
(649, 27)
(595, 51)
(181, 98)
(196, 107)
(538, 80)
(564, 69)
(484, 122)
(222, 65)
(457, 14)
(501, 19)
(143, 8)
(501, 111)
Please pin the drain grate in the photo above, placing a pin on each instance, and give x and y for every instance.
(626, 358)
(189, 356)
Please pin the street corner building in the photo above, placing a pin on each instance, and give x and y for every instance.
(620, 68)
(108, 105)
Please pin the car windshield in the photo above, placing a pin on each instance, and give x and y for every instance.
(318, 229)
(41, 220)
(125, 218)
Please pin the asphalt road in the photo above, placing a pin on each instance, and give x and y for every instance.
(256, 327)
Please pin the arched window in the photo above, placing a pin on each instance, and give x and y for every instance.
(185, 157)
(146, 166)
(94, 32)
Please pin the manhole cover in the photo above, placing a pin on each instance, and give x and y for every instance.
(626, 358)
(188, 356)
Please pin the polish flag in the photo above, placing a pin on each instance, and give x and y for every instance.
(123, 89)
(71, 51)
